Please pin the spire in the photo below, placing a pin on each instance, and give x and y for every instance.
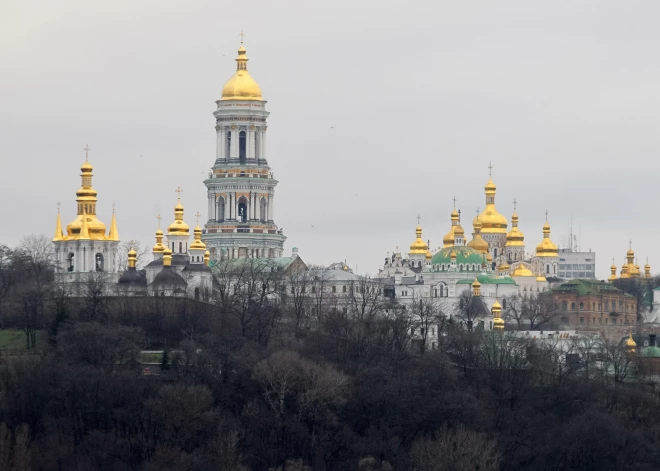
(59, 235)
(114, 234)
(498, 322)
(631, 345)
(492, 221)
(84, 231)
(476, 288)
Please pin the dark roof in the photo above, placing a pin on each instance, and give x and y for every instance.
(178, 260)
(477, 307)
(197, 267)
(133, 277)
(167, 276)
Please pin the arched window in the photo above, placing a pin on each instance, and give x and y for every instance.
(99, 262)
(263, 210)
(581, 306)
(554, 269)
(197, 294)
(180, 247)
(242, 146)
(220, 210)
(242, 209)
(564, 305)
(547, 268)
(419, 264)
(572, 306)
(228, 144)
(70, 262)
(494, 253)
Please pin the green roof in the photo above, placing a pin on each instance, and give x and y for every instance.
(488, 280)
(464, 255)
(584, 287)
(650, 352)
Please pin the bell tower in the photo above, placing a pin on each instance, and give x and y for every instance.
(241, 185)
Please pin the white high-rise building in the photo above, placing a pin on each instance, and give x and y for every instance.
(241, 186)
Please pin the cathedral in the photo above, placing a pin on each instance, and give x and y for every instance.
(240, 222)
(494, 258)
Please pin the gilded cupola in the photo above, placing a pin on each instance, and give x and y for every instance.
(86, 213)
(241, 86)
(515, 238)
(631, 345)
(179, 226)
(197, 244)
(159, 248)
(492, 222)
(546, 248)
(498, 322)
(476, 288)
(448, 240)
(478, 243)
(647, 270)
(522, 270)
(419, 246)
(612, 272)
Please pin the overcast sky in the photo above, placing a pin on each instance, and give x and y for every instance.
(380, 110)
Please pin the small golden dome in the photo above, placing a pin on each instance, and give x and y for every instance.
(459, 231)
(448, 239)
(489, 257)
(546, 248)
(429, 255)
(86, 167)
(630, 342)
(498, 323)
(167, 257)
(452, 255)
(419, 246)
(197, 244)
(207, 258)
(478, 243)
(630, 252)
(178, 227)
(476, 284)
(497, 307)
(541, 278)
(241, 86)
(492, 221)
(515, 238)
(522, 270)
(490, 186)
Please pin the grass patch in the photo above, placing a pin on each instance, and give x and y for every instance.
(13, 340)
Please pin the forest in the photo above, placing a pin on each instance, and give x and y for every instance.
(247, 386)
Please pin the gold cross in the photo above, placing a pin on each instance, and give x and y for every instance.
(241, 35)
(515, 204)
(131, 245)
(179, 191)
(630, 244)
(197, 215)
(159, 218)
(490, 169)
(454, 200)
(86, 149)
(418, 218)
(546, 215)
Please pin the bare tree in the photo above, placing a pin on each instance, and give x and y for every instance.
(8, 277)
(297, 296)
(318, 287)
(94, 290)
(427, 313)
(365, 299)
(514, 310)
(142, 254)
(468, 308)
(617, 364)
(539, 311)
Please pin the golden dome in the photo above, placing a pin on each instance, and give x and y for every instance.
(478, 243)
(452, 255)
(197, 244)
(492, 222)
(546, 248)
(498, 323)
(419, 246)
(489, 257)
(515, 238)
(459, 231)
(448, 240)
(167, 257)
(522, 270)
(476, 284)
(630, 252)
(241, 86)
(178, 227)
(630, 342)
(541, 278)
(429, 255)
(497, 307)
(207, 258)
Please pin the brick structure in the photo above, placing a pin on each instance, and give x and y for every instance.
(591, 303)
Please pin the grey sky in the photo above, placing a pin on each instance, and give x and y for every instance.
(561, 96)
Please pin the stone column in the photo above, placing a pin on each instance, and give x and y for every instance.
(233, 150)
(263, 144)
(219, 142)
(211, 212)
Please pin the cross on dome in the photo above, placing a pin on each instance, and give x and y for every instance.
(197, 215)
(454, 200)
(159, 217)
(546, 215)
(515, 204)
(242, 35)
(490, 168)
(418, 218)
(179, 191)
(86, 149)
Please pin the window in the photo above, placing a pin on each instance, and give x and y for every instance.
(504, 303)
(581, 320)
(99, 262)
(180, 247)
(70, 262)
(242, 145)
(257, 141)
(607, 305)
(343, 289)
(564, 305)
(334, 289)
(228, 144)
(581, 306)
(345, 310)
(572, 306)
(196, 293)
(313, 289)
